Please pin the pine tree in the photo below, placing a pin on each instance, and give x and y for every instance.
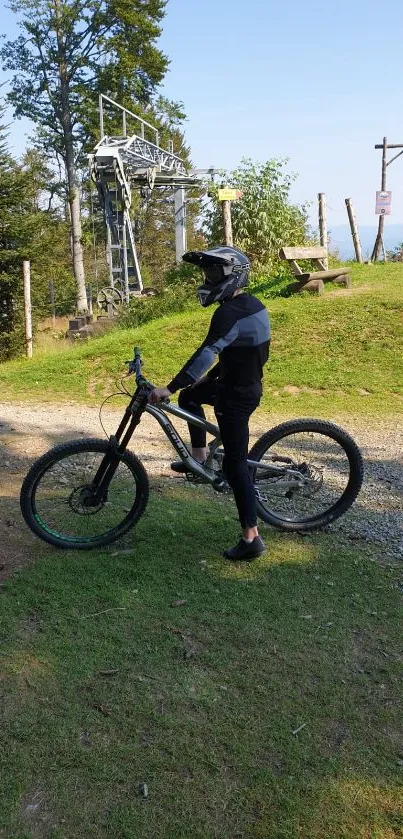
(12, 242)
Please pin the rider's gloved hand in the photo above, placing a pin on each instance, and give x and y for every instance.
(157, 394)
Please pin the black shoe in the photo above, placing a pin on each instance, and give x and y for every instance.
(246, 551)
(180, 466)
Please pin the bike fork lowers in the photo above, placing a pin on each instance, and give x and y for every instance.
(118, 443)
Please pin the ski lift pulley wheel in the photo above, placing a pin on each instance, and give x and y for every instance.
(109, 297)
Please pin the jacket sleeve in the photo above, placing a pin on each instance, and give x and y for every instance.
(222, 332)
(214, 372)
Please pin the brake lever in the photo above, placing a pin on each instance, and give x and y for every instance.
(132, 367)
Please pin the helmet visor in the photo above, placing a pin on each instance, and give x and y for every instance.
(214, 274)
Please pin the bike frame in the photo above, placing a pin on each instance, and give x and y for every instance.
(132, 416)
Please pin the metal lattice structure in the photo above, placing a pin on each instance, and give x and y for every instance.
(120, 164)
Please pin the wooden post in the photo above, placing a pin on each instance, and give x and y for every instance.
(227, 223)
(323, 224)
(26, 272)
(180, 223)
(379, 236)
(89, 298)
(52, 301)
(354, 229)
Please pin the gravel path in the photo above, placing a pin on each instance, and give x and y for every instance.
(28, 430)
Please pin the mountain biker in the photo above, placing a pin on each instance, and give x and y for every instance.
(239, 334)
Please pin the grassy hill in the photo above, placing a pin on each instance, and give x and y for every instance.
(330, 354)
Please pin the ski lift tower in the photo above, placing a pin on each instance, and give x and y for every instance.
(119, 164)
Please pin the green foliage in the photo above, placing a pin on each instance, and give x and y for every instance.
(171, 301)
(94, 46)
(30, 229)
(183, 275)
(15, 237)
(49, 238)
(68, 52)
(263, 219)
(177, 295)
(396, 255)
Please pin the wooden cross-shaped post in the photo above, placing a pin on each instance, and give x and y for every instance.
(379, 243)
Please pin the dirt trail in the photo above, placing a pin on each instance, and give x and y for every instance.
(26, 431)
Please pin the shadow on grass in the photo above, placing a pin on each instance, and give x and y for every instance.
(257, 701)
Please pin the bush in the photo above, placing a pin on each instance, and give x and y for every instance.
(263, 219)
(169, 302)
(183, 276)
(397, 254)
(178, 295)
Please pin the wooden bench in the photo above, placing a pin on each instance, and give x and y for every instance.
(313, 281)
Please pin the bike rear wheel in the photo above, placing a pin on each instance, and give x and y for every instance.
(56, 496)
(321, 473)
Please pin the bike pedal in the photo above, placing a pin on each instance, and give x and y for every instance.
(221, 486)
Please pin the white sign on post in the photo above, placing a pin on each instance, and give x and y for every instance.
(383, 203)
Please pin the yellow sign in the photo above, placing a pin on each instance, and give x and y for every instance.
(229, 194)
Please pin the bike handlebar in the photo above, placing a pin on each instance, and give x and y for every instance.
(135, 367)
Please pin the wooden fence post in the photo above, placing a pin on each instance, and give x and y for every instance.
(354, 229)
(227, 223)
(26, 271)
(323, 224)
(52, 302)
(89, 298)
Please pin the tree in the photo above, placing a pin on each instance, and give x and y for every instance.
(13, 240)
(396, 255)
(32, 226)
(263, 219)
(48, 236)
(68, 52)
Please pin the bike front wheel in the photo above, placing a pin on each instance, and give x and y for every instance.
(54, 496)
(310, 472)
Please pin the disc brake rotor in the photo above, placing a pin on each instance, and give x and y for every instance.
(83, 503)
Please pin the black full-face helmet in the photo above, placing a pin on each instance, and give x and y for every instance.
(225, 270)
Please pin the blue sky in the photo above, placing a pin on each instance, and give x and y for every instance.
(317, 83)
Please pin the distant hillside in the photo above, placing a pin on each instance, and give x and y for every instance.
(340, 238)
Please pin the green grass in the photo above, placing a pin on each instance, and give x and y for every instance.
(204, 698)
(268, 704)
(329, 355)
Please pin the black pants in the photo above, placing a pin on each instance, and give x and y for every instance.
(233, 420)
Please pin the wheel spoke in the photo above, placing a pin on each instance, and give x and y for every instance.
(63, 501)
(316, 473)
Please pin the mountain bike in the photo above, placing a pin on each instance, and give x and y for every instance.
(87, 493)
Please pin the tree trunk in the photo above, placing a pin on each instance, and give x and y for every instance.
(76, 235)
(72, 180)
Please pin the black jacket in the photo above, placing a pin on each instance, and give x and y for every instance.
(239, 334)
